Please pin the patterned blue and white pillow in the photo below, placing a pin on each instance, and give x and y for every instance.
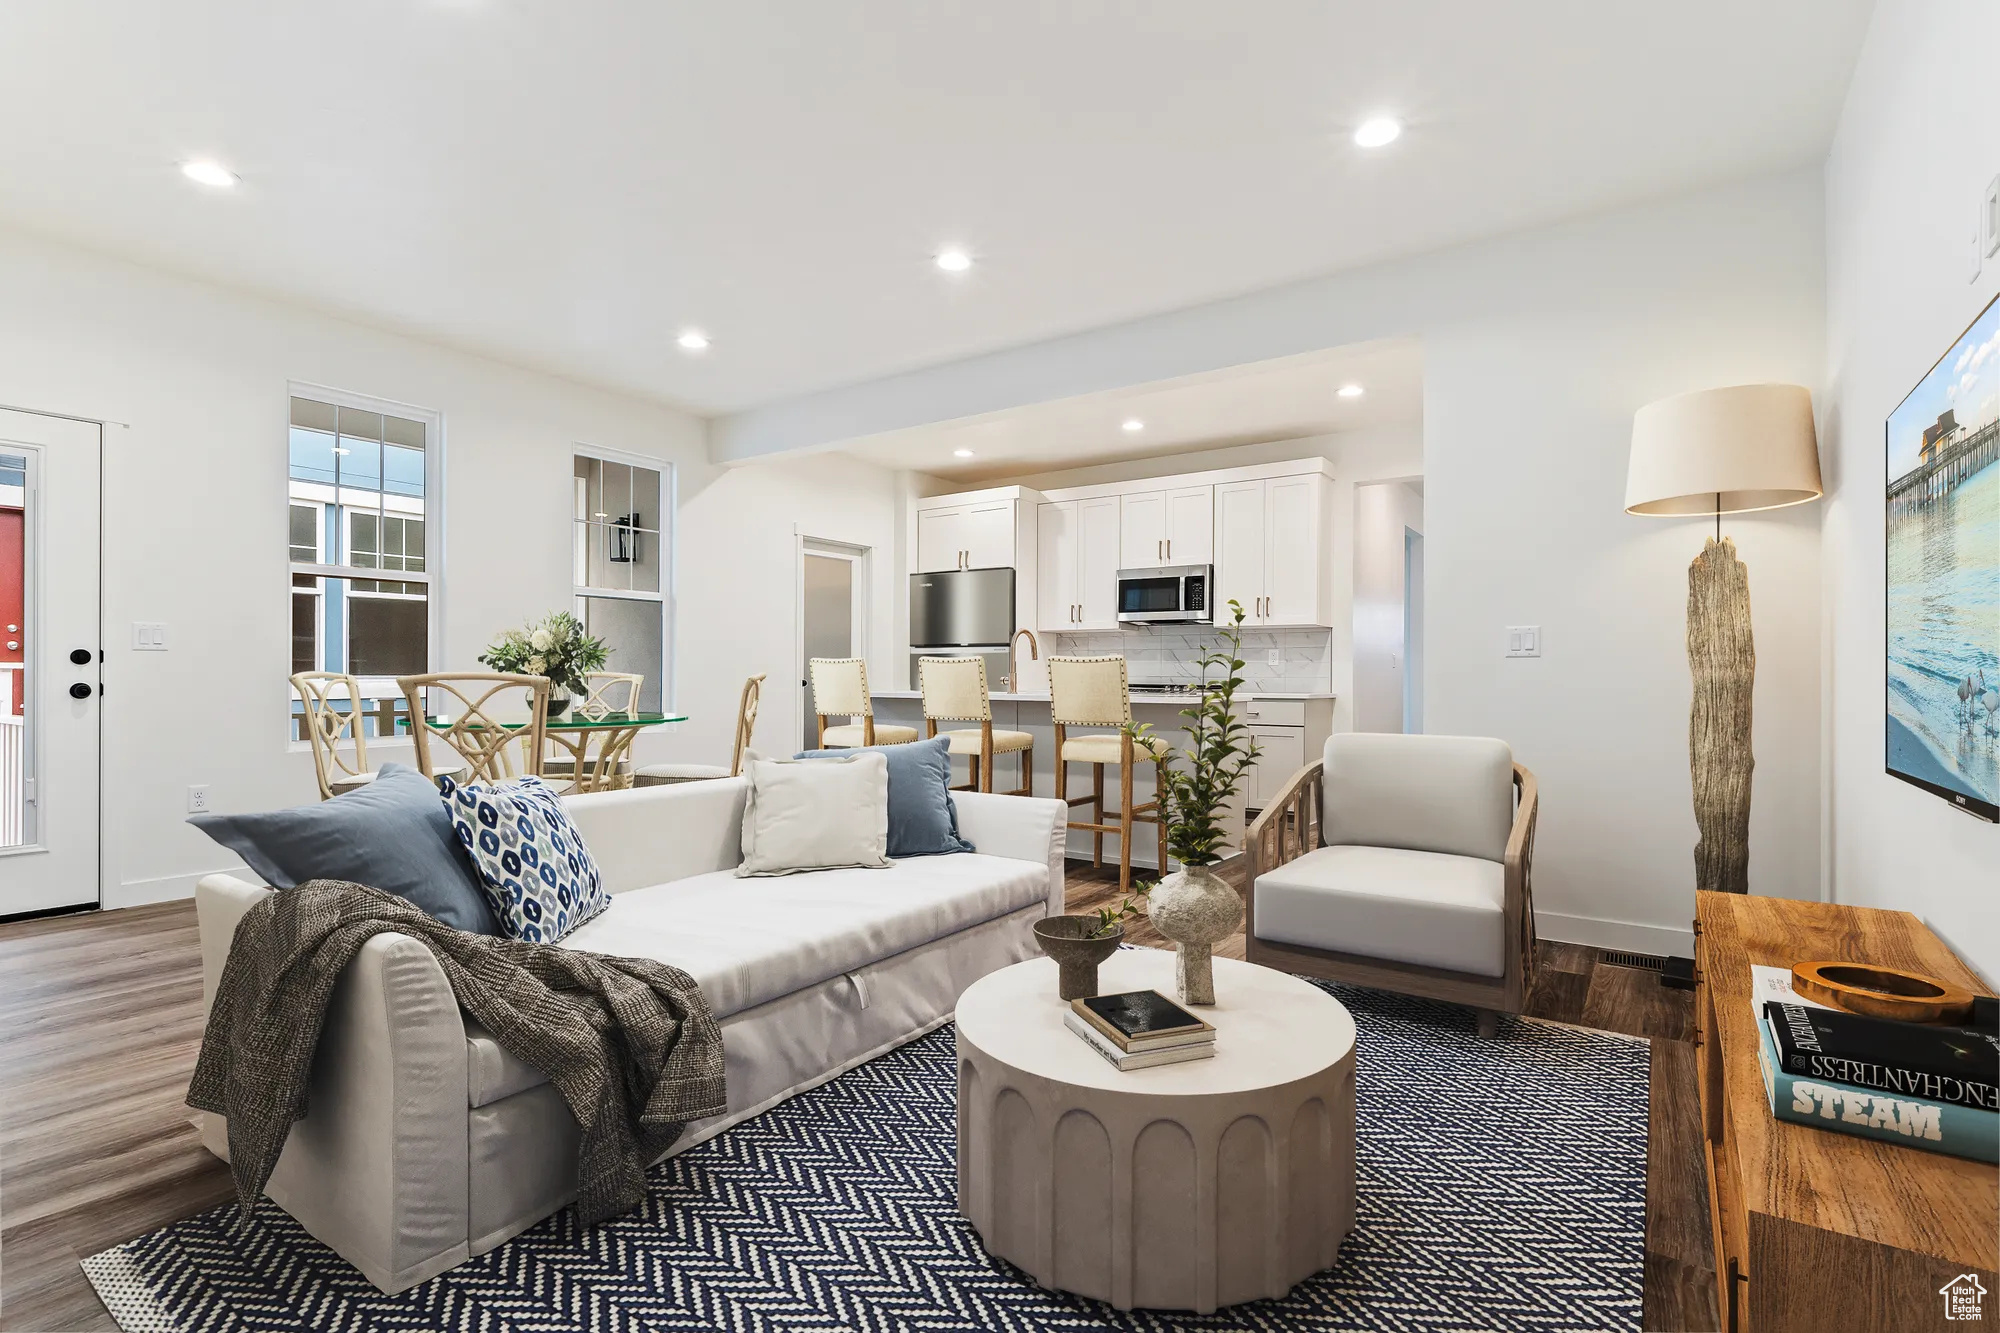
(531, 859)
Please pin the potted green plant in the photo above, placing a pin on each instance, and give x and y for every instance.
(1194, 907)
(556, 647)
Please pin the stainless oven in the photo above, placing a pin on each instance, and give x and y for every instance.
(1167, 595)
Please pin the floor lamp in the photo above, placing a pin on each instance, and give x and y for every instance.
(1721, 451)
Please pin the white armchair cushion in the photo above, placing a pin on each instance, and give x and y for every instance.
(1401, 906)
(1451, 794)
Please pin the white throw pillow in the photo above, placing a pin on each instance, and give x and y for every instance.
(814, 814)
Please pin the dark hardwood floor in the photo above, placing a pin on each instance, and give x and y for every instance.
(100, 1019)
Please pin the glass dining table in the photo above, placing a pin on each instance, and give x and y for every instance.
(597, 744)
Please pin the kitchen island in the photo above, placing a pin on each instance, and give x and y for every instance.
(1289, 727)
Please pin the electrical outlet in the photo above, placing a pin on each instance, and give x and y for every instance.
(198, 799)
(1524, 641)
(1274, 657)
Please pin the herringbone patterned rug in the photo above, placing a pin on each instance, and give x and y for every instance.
(1501, 1186)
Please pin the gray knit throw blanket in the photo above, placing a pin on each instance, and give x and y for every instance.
(630, 1044)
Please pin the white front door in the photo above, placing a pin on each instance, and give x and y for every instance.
(53, 662)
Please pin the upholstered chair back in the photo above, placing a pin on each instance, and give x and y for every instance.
(327, 726)
(1089, 691)
(954, 689)
(840, 687)
(1451, 794)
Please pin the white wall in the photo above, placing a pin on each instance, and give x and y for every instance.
(194, 526)
(1383, 511)
(1919, 139)
(1538, 347)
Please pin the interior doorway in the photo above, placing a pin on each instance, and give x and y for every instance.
(833, 615)
(51, 663)
(1413, 631)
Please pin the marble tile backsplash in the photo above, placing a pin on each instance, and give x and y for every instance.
(1303, 666)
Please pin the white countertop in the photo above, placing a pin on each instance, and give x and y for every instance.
(1139, 696)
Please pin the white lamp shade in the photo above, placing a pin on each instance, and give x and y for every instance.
(1723, 451)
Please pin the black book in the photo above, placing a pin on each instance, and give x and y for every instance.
(1923, 1061)
(1142, 1019)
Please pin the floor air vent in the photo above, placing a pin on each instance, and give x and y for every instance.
(1643, 960)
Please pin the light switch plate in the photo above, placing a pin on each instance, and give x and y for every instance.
(1990, 211)
(1524, 641)
(149, 636)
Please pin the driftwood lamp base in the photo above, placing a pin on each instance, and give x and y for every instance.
(1723, 662)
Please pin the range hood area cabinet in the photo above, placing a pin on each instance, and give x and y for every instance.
(1077, 564)
(1272, 536)
(1167, 527)
(976, 535)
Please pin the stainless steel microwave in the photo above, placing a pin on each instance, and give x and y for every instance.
(1166, 595)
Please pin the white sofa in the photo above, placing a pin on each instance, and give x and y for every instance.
(425, 1143)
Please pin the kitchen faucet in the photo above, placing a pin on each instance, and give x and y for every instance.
(1013, 657)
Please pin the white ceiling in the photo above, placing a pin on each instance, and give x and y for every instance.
(569, 185)
(1286, 399)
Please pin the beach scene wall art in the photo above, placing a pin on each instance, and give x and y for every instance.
(1943, 576)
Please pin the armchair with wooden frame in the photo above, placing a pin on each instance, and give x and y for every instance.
(1403, 863)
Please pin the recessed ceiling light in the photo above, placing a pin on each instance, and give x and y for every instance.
(1132, 425)
(954, 260)
(1377, 131)
(961, 453)
(1350, 391)
(207, 171)
(693, 340)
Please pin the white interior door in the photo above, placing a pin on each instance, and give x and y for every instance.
(50, 728)
(830, 619)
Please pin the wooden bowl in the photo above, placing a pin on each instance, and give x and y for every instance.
(1882, 992)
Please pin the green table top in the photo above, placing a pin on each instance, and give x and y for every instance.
(571, 721)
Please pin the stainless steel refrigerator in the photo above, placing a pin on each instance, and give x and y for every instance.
(963, 613)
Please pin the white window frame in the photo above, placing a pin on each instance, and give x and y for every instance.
(667, 596)
(432, 574)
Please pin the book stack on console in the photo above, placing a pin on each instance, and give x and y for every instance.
(1921, 1084)
(1139, 1029)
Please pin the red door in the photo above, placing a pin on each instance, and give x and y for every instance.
(13, 602)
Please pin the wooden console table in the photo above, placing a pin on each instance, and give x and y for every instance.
(1817, 1230)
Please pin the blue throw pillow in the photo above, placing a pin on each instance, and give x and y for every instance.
(923, 819)
(391, 835)
(537, 873)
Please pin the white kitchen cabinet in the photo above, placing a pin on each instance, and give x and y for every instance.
(1169, 527)
(1281, 752)
(969, 536)
(1271, 550)
(1076, 564)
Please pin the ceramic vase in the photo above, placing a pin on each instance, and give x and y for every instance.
(1077, 952)
(1195, 908)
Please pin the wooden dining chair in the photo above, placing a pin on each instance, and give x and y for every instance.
(329, 727)
(604, 693)
(840, 689)
(496, 723)
(1095, 692)
(954, 690)
(662, 775)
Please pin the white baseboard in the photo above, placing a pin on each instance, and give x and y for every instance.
(167, 888)
(1629, 936)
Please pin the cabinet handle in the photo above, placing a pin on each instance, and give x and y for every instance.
(1159, 550)
(1170, 548)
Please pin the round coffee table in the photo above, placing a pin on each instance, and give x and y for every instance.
(1188, 1186)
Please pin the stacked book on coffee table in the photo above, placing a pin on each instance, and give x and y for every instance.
(1139, 1029)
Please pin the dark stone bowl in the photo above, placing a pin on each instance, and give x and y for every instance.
(1067, 940)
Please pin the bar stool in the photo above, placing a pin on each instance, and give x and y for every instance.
(840, 689)
(954, 690)
(1093, 692)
